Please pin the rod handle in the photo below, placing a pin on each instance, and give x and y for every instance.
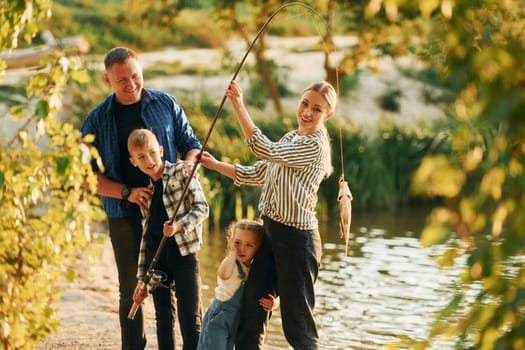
(133, 311)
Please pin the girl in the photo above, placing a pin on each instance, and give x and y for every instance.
(221, 320)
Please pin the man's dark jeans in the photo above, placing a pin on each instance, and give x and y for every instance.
(125, 234)
(183, 279)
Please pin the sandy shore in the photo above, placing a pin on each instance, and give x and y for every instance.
(88, 309)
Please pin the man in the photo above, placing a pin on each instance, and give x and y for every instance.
(122, 186)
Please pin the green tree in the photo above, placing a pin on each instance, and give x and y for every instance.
(475, 49)
(231, 12)
(45, 181)
(478, 46)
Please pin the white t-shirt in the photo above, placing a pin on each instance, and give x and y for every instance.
(226, 288)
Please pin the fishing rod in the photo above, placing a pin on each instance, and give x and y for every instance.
(151, 273)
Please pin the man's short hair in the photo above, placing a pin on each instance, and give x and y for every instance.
(118, 55)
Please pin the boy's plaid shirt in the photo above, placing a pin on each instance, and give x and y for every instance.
(192, 212)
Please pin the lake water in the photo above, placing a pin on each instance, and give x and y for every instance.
(387, 287)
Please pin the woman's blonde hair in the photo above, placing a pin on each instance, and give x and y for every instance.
(326, 90)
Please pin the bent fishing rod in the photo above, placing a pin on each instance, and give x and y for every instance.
(150, 274)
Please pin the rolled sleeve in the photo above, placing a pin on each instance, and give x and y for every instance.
(250, 175)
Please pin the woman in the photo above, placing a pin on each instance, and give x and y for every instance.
(290, 172)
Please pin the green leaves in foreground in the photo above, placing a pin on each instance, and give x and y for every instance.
(47, 188)
(483, 216)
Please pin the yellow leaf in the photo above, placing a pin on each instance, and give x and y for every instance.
(427, 7)
(436, 177)
(492, 183)
(81, 76)
(434, 234)
(89, 138)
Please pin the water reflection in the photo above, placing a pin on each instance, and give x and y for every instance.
(386, 288)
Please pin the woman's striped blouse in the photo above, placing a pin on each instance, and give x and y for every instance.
(290, 171)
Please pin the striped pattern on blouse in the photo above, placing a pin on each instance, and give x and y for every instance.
(290, 171)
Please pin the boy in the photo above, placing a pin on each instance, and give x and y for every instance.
(178, 260)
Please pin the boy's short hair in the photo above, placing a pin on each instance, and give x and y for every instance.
(140, 138)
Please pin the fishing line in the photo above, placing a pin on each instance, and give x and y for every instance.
(261, 31)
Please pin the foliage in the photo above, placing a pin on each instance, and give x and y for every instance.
(45, 181)
(389, 100)
(479, 46)
(146, 25)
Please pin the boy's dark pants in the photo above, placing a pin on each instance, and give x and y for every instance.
(183, 277)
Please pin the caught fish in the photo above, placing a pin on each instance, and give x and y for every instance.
(344, 197)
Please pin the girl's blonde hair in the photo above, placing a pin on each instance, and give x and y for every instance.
(254, 226)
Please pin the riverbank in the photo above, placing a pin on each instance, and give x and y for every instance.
(88, 308)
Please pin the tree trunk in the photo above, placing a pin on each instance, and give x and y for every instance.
(260, 60)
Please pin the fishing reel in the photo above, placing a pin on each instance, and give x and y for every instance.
(155, 280)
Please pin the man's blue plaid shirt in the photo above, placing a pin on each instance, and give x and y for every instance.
(161, 114)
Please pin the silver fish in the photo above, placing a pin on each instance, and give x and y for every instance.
(344, 197)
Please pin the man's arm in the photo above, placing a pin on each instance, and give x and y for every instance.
(192, 154)
(109, 188)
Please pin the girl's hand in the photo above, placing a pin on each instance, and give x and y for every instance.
(268, 304)
(230, 244)
(169, 228)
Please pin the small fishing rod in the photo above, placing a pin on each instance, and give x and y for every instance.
(150, 272)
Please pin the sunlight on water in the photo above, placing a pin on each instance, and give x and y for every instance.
(386, 288)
